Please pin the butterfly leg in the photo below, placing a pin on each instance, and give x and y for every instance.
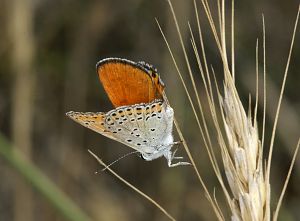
(177, 142)
(179, 164)
(170, 156)
(173, 155)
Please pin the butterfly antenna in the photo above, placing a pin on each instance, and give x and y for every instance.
(130, 153)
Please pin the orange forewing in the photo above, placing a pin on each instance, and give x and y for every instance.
(128, 83)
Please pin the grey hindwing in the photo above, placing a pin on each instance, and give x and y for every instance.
(142, 127)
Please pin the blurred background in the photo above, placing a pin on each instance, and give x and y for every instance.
(48, 53)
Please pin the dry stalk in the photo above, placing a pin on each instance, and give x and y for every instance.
(132, 186)
(242, 159)
(242, 153)
(241, 147)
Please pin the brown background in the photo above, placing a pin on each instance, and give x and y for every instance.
(48, 52)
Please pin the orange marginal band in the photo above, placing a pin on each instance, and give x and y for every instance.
(127, 82)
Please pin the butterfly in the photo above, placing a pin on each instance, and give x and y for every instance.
(141, 120)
